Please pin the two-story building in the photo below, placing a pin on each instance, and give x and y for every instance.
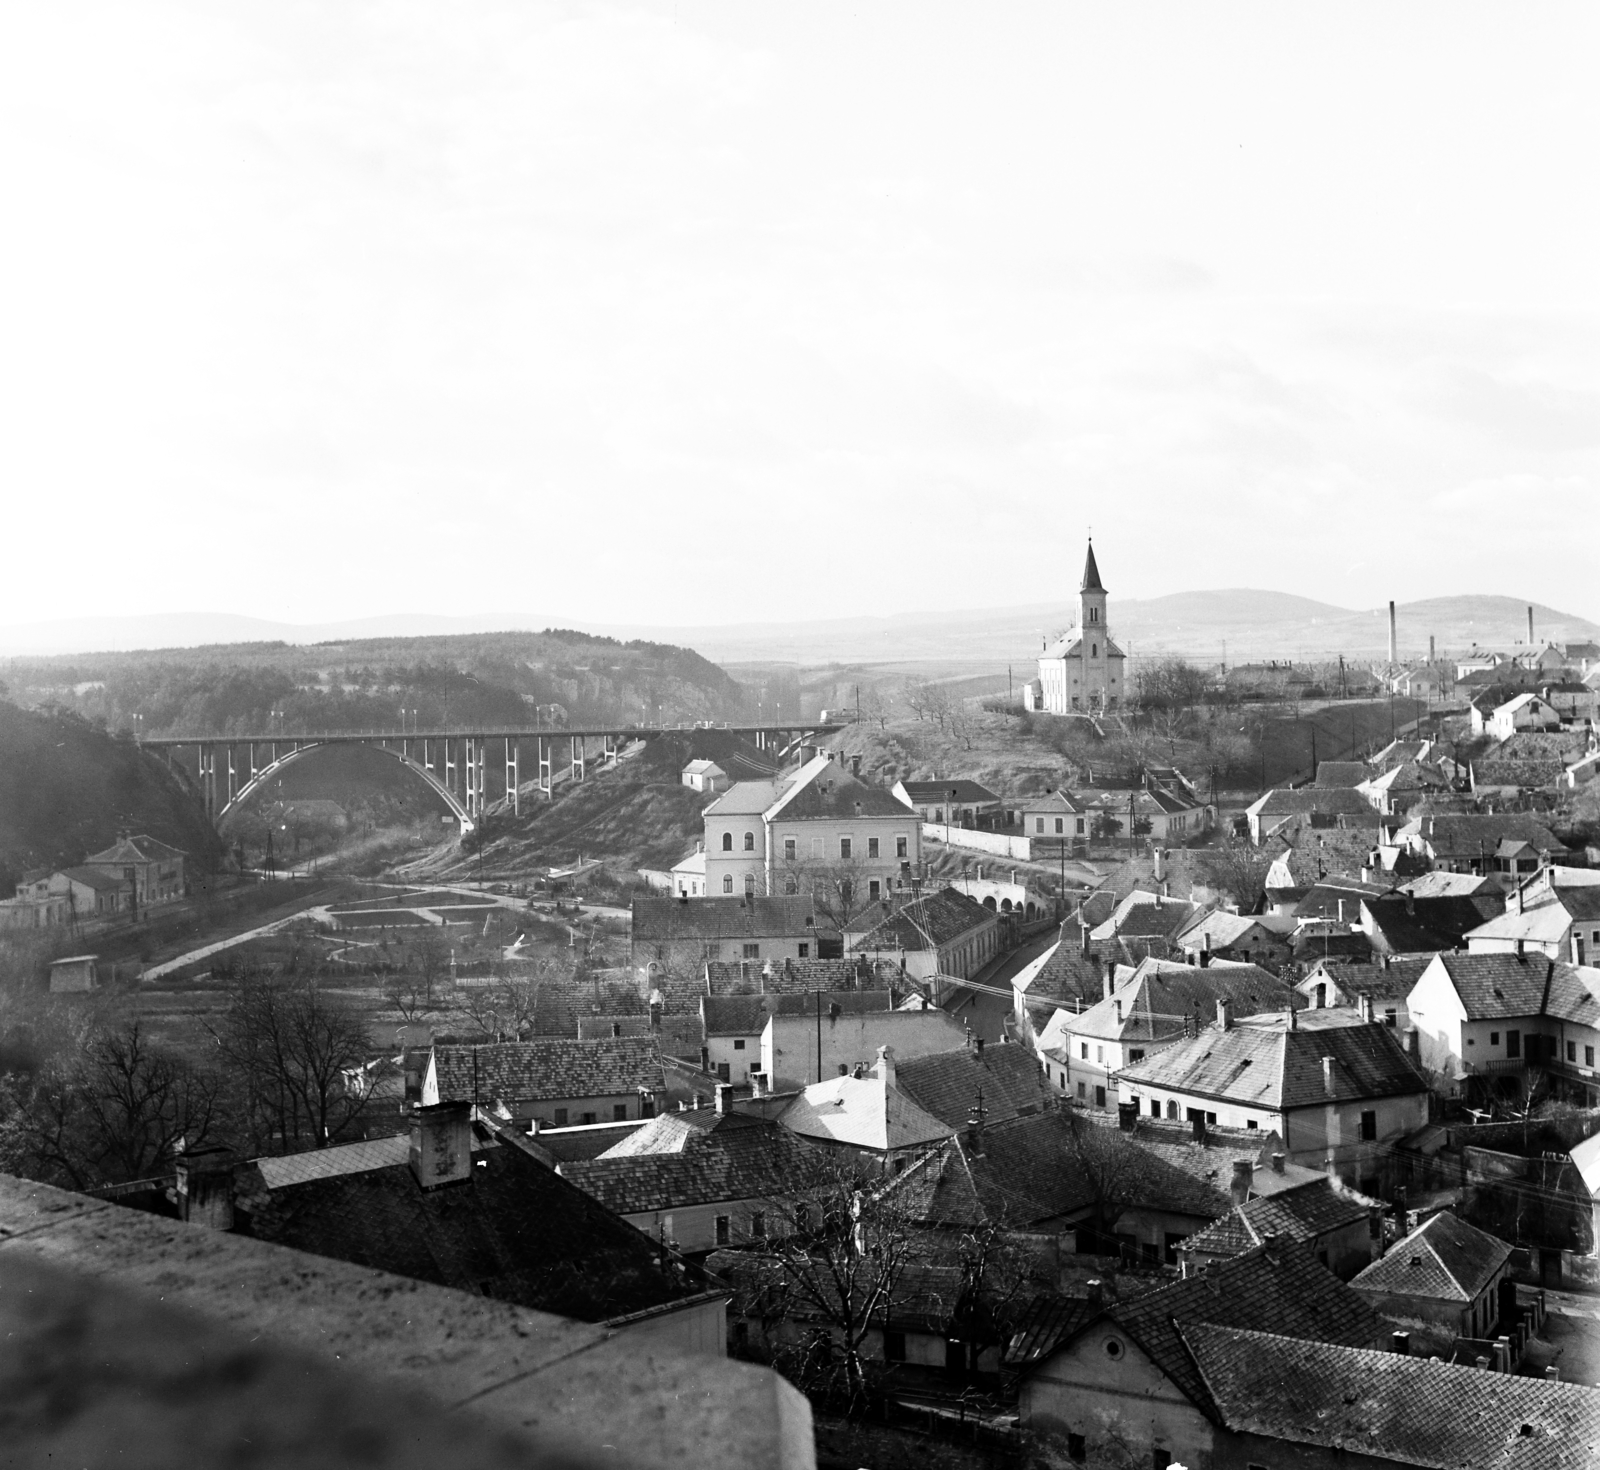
(798, 1050)
(154, 870)
(944, 933)
(1336, 1094)
(732, 1024)
(953, 800)
(1510, 844)
(678, 936)
(555, 1080)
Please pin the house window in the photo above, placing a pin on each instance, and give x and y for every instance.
(724, 1072)
(900, 847)
(749, 884)
(752, 951)
(1572, 1051)
(1080, 826)
(561, 1117)
(1389, 1017)
(874, 889)
(1135, 1054)
(1513, 1043)
(1155, 1107)
(1251, 1124)
(589, 1119)
(1588, 1056)
(789, 849)
(1369, 1127)
(894, 1346)
(805, 950)
(1100, 1055)
(872, 847)
(727, 842)
(758, 1225)
(1099, 1097)
(1083, 1090)
(1083, 1050)
(738, 1043)
(938, 814)
(1494, 1038)
(727, 882)
(619, 1112)
(791, 885)
(749, 841)
(724, 1230)
(1038, 825)
(1060, 824)
(1172, 1110)
(844, 849)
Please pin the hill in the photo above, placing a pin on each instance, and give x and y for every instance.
(66, 787)
(557, 676)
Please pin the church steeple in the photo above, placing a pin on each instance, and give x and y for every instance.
(1091, 572)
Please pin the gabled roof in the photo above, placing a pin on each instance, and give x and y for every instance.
(946, 1084)
(136, 849)
(94, 878)
(1153, 1003)
(1059, 799)
(1277, 1068)
(755, 917)
(1392, 1408)
(547, 1068)
(731, 1158)
(951, 789)
(1281, 1290)
(1444, 1258)
(1379, 982)
(923, 924)
(1494, 986)
(1312, 800)
(1065, 974)
(1146, 915)
(865, 1112)
(677, 1033)
(1019, 1175)
(823, 789)
(1542, 923)
(1222, 928)
(1300, 1214)
(746, 1015)
(1467, 833)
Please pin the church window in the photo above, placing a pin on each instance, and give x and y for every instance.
(1094, 650)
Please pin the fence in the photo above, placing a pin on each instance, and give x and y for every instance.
(999, 844)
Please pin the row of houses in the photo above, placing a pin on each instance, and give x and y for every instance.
(136, 872)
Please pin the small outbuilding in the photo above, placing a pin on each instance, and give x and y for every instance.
(74, 974)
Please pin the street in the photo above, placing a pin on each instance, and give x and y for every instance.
(986, 1013)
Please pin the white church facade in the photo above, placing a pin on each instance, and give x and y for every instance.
(1083, 672)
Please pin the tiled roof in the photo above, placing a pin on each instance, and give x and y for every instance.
(1144, 915)
(1444, 1258)
(745, 799)
(785, 977)
(1269, 1289)
(934, 920)
(1541, 923)
(94, 878)
(679, 1034)
(330, 1163)
(1380, 982)
(824, 789)
(547, 1068)
(1493, 986)
(512, 1230)
(136, 849)
(957, 790)
(746, 1015)
(1436, 883)
(1393, 1408)
(946, 1084)
(1341, 774)
(1068, 975)
(1308, 800)
(1299, 1214)
(1020, 1175)
(736, 1158)
(1326, 894)
(1404, 933)
(1222, 928)
(1278, 1068)
(1468, 833)
(1314, 945)
(753, 917)
(1172, 992)
(864, 1112)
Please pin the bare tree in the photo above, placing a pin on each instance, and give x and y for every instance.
(917, 694)
(876, 706)
(839, 889)
(291, 1048)
(509, 1006)
(1238, 871)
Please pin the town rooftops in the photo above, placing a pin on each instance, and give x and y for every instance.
(952, 791)
(330, 1163)
(1391, 978)
(1471, 833)
(1341, 775)
(1154, 1002)
(946, 1084)
(1391, 1408)
(1444, 1258)
(545, 1069)
(1542, 923)
(136, 849)
(671, 1164)
(1437, 883)
(1312, 801)
(1063, 973)
(862, 1112)
(1279, 1068)
(746, 1015)
(755, 915)
(1495, 986)
(1278, 1288)
(1299, 1214)
(925, 923)
(1146, 915)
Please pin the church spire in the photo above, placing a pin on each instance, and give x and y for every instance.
(1091, 572)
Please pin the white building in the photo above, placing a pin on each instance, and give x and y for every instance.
(1083, 671)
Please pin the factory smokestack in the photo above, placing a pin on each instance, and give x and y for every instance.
(1430, 648)
(1530, 627)
(1393, 656)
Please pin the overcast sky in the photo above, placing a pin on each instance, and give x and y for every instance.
(706, 313)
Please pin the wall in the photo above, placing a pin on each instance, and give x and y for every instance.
(997, 843)
(789, 1044)
(699, 1329)
(740, 1054)
(817, 843)
(1124, 1407)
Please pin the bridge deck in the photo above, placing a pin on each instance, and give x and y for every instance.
(484, 732)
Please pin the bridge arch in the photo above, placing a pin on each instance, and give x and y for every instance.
(289, 757)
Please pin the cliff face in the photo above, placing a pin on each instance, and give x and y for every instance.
(66, 787)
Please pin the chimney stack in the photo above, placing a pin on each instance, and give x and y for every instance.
(1240, 1190)
(441, 1144)
(1400, 1342)
(205, 1186)
(1393, 654)
(1364, 1005)
(1430, 648)
(1128, 1116)
(724, 1099)
(1083, 938)
(1530, 626)
(1105, 984)
(1224, 1015)
(1277, 1163)
(1291, 1021)
(884, 1065)
(1096, 1293)
(758, 1084)
(1327, 1075)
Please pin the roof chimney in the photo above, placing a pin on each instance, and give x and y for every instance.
(1239, 1192)
(1364, 1005)
(884, 1065)
(1224, 1015)
(1095, 1293)
(441, 1143)
(1083, 938)
(758, 1084)
(1291, 1020)
(205, 1186)
(1128, 1116)
(1327, 1075)
(724, 1099)
(1105, 983)
(1530, 626)
(1400, 1342)
(1277, 1162)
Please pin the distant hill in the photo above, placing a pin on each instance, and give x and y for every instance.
(66, 788)
(496, 679)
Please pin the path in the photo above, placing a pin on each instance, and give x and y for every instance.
(166, 967)
(986, 1013)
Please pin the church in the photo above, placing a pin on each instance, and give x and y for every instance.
(1083, 672)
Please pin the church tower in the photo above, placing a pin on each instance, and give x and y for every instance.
(1092, 600)
(1083, 672)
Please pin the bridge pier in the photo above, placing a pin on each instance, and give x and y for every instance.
(513, 775)
(579, 755)
(449, 768)
(546, 783)
(610, 749)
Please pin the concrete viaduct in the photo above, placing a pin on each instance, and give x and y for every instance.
(227, 770)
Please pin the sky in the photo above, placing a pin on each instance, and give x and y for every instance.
(702, 314)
